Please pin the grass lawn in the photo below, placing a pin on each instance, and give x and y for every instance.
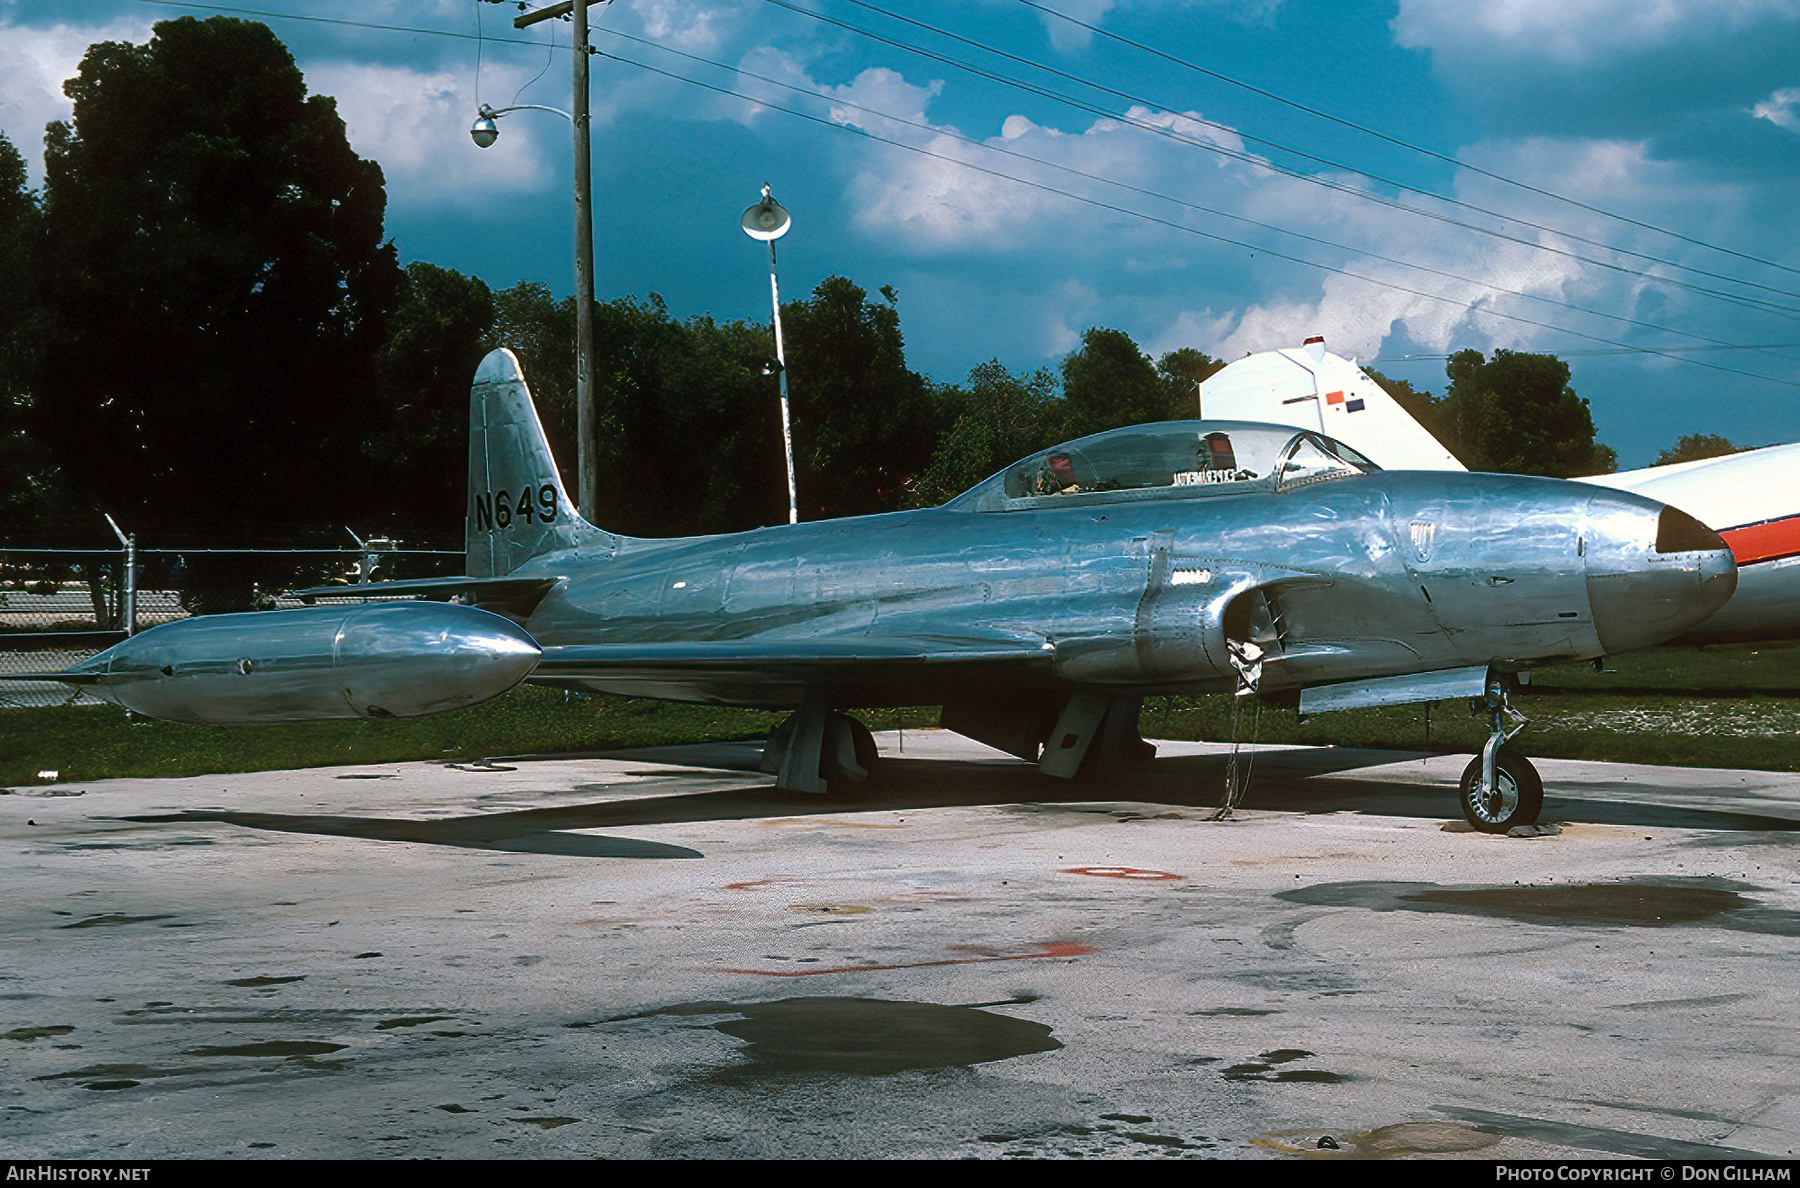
(1736, 706)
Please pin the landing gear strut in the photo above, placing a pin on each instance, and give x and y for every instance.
(820, 751)
(1500, 788)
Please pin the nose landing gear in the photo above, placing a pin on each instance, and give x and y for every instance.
(1500, 788)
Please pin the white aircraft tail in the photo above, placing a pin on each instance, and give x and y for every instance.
(1310, 388)
(518, 508)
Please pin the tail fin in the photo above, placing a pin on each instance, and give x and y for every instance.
(1311, 388)
(517, 506)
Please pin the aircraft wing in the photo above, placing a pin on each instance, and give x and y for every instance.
(475, 589)
(732, 669)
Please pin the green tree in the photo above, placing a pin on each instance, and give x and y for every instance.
(1696, 446)
(1422, 406)
(1182, 371)
(540, 330)
(997, 419)
(215, 287)
(1517, 414)
(1109, 382)
(863, 422)
(416, 448)
(30, 487)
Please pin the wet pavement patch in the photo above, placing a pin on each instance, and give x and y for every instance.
(27, 1034)
(1384, 1142)
(1263, 1068)
(410, 1021)
(867, 1036)
(266, 981)
(1641, 904)
(110, 920)
(546, 1123)
(271, 1048)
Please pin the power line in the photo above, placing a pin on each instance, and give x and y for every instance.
(993, 148)
(1472, 310)
(1770, 346)
(1312, 179)
(1379, 135)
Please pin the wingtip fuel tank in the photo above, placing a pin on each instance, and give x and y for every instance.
(366, 660)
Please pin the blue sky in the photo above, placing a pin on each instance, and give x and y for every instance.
(1681, 116)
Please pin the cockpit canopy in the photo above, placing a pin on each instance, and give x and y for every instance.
(1171, 459)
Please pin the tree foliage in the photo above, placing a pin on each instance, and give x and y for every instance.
(415, 447)
(1517, 414)
(863, 423)
(997, 418)
(1695, 446)
(214, 285)
(1109, 382)
(30, 485)
(1182, 371)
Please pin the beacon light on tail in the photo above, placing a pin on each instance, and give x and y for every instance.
(369, 660)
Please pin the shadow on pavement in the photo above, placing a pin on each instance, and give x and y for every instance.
(1281, 781)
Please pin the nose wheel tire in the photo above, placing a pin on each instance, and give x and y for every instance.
(1516, 798)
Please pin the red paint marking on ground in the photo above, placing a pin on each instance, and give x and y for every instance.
(1051, 949)
(1122, 872)
(753, 884)
(1770, 540)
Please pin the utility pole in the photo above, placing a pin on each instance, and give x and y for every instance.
(588, 488)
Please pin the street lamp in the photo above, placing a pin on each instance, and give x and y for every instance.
(768, 221)
(484, 132)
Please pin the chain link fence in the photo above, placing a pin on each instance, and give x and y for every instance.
(60, 606)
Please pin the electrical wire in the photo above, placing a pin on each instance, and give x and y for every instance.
(1471, 309)
(1379, 135)
(1312, 179)
(994, 148)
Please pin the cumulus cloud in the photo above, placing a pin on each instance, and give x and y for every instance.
(35, 60)
(415, 123)
(1781, 109)
(1069, 38)
(1575, 31)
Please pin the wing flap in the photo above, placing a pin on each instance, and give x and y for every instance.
(475, 589)
(858, 658)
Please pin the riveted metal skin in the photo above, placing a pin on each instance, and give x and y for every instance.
(374, 660)
(1357, 576)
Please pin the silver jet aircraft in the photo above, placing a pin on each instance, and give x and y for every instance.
(1038, 608)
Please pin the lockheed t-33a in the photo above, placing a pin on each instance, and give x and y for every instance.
(1038, 608)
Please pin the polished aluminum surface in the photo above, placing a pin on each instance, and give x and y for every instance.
(375, 660)
(1359, 575)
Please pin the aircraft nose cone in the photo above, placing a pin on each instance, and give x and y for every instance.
(1653, 572)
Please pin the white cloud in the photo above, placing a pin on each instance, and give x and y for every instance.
(1070, 38)
(879, 89)
(35, 60)
(1573, 31)
(1781, 109)
(416, 125)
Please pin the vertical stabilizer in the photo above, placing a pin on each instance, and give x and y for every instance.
(1311, 388)
(517, 506)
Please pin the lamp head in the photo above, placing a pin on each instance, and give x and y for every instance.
(484, 132)
(767, 220)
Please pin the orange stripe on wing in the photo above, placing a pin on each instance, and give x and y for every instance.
(1770, 540)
